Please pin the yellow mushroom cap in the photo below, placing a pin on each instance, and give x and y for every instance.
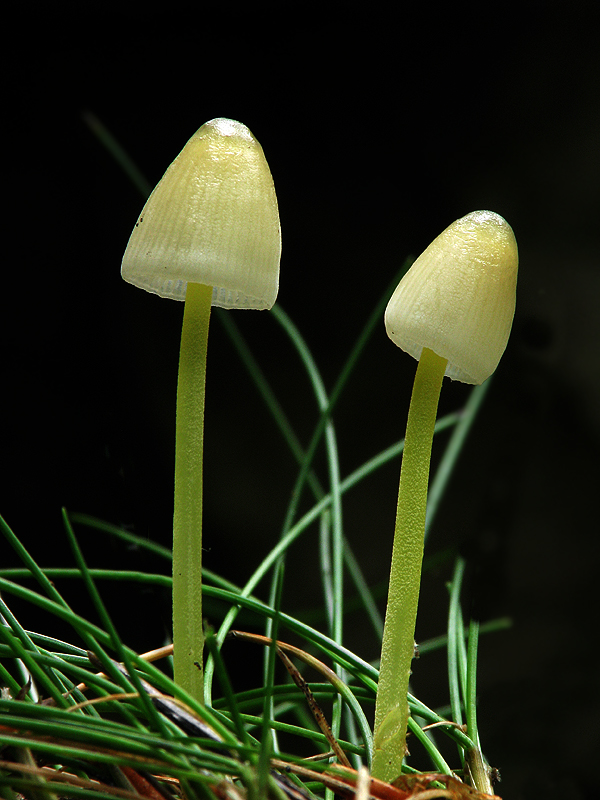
(212, 219)
(458, 298)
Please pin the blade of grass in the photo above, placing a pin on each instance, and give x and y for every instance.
(126, 536)
(100, 574)
(117, 151)
(438, 761)
(268, 395)
(474, 757)
(368, 601)
(107, 664)
(333, 548)
(313, 704)
(304, 733)
(310, 516)
(337, 683)
(31, 564)
(471, 698)
(275, 407)
(287, 695)
(330, 402)
(268, 740)
(455, 632)
(440, 642)
(225, 683)
(452, 452)
(14, 635)
(7, 680)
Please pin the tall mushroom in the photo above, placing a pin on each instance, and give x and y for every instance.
(209, 234)
(452, 311)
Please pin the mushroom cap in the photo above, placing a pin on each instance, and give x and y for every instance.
(458, 297)
(212, 219)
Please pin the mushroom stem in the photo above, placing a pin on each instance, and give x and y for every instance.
(391, 705)
(188, 635)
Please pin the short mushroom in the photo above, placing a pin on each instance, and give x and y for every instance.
(209, 234)
(452, 311)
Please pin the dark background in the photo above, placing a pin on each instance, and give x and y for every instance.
(380, 129)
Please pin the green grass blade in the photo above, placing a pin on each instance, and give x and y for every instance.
(6, 679)
(268, 740)
(438, 761)
(478, 769)
(452, 452)
(270, 399)
(126, 536)
(440, 642)
(102, 574)
(112, 632)
(31, 564)
(308, 518)
(117, 151)
(335, 587)
(17, 639)
(366, 595)
(455, 632)
(471, 698)
(387, 455)
(223, 677)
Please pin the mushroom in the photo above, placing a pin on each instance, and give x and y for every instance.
(452, 311)
(209, 234)
(458, 298)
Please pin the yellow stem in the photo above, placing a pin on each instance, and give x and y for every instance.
(391, 705)
(188, 635)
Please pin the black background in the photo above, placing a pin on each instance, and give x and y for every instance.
(380, 127)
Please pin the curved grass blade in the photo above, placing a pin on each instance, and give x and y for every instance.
(456, 681)
(228, 693)
(18, 640)
(338, 684)
(117, 151)
(310, 516)
(132, 538)
(452, 452)
(107, 664)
